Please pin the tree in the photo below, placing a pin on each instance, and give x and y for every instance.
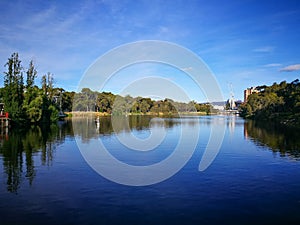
(27, 103)
(279, 102)
(32, 104)
(32, 97)
(31, 75)
(14, 88)
(50, 85)
(67, 101)
(89, 98)
(44, 84)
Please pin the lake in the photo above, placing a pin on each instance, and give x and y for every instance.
(253, 178)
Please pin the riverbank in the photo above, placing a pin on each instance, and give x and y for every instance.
(160, 114)
(278, 103)
(287, 119)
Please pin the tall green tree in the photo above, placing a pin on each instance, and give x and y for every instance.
(50, 109)
(14, 88)
(32, 97)
(31, 75)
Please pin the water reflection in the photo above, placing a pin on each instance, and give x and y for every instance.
(279, 139)
(90, 127)
(19, 149)
(23, 151)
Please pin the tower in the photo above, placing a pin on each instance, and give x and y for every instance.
(232, 104)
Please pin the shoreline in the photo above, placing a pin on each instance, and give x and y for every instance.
(102, 114)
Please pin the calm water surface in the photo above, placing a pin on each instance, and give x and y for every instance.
(255, 177)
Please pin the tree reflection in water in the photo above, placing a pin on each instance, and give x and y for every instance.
(27, 145)
(278, 138)
(22, 151)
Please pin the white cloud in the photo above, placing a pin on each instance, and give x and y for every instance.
(290, 68)
(273, 65)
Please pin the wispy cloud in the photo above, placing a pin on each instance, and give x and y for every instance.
(290, 68)
(266, 49)
(272, 65)
(65, 37)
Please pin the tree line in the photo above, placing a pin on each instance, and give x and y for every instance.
(107, 102)
(26, 102)
(278, 102)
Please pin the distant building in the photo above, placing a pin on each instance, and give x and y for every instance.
(248, 92)
(231, 102)
(218, 105)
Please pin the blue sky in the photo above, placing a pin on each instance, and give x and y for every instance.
(244, 43)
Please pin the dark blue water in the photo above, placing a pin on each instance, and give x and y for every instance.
(255, 177)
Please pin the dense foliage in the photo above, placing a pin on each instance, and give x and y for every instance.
(278, 102)
(106, 102)
(27, 103)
